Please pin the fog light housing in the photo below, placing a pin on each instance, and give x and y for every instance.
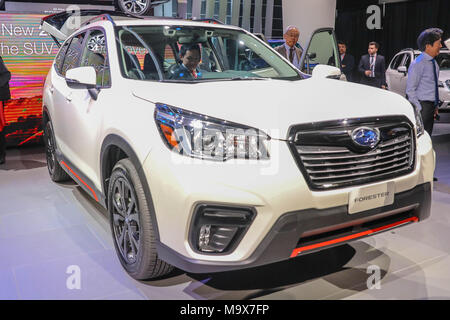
(219, 229)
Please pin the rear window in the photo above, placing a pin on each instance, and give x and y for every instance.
(73, 54)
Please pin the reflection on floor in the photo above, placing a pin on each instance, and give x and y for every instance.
(46, 229)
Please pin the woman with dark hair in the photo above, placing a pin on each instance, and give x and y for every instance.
(190, 56)
(5, 95)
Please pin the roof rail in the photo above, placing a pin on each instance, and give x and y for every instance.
(208, 20)
(408, 49)
(107, 15)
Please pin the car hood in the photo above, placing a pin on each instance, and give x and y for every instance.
(275, 105)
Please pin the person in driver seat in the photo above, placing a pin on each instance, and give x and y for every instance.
(190, 56)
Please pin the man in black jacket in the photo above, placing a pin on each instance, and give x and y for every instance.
(372, 67)
(5, 95)
(347, 61)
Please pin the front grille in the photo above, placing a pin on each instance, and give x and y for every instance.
(330, 159)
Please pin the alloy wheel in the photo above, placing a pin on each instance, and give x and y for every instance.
(136, 7)
(126, 223)
(50, 148)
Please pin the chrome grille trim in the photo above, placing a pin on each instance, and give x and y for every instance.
(359, 173)
(349, 155)
(329, 159)
(406, 157)
(351, 162)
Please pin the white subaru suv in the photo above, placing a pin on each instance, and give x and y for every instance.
(250, 162)
(397, 73)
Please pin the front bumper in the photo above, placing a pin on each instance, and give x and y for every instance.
(314, 227)
(276, 190)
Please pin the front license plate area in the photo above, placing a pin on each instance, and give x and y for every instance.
(367, 198)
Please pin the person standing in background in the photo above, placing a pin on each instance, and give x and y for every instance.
(5, 95)
(288, 49)
(372, 67)
(347, 61)
(422, 86)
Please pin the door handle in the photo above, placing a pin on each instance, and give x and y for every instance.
(52, 89)
(69, 97)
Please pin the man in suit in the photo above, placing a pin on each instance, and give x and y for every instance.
(288, 49)
(190, 56)
(347, 61)
(5, 95)
(372, 67)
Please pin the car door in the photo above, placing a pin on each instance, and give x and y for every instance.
(393, 76)
(61, 93)
(55, 96)
(321, 49)
(86, 113)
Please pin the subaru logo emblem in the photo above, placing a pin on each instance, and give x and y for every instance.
(366, 137)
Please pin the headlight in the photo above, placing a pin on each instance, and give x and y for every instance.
(419, 123)
(204, 137)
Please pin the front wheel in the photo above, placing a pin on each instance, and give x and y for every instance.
(57, 173)
(132, 225)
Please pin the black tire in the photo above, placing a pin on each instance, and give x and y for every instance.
(137, 8)
(57, 173)
(129, 211)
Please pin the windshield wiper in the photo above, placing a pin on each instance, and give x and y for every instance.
(246, 78)
(213, 79)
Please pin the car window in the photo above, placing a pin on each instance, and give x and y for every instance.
(245, 58)
(396, 61)
(60, 56)
(443, 59)
(73, 54)
(322, 49)
(216, 54)
(279, 42)
(96, 55)
(169, 55)
(407, 61)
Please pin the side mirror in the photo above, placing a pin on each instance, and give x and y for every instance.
(324, 71)
(81, 78)
(403, 70)
(312, 55)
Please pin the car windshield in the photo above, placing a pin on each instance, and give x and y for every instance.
(443, 59)
(191, 54)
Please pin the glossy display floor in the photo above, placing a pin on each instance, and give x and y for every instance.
(55, 243)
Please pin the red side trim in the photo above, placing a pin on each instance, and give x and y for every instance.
(81, 180)
(352, 236)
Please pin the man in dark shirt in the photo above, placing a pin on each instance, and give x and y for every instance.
(190, 56)
(347, 61)
(372, 67)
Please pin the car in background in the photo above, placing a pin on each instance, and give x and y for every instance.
(397, 74)
(133, 7)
